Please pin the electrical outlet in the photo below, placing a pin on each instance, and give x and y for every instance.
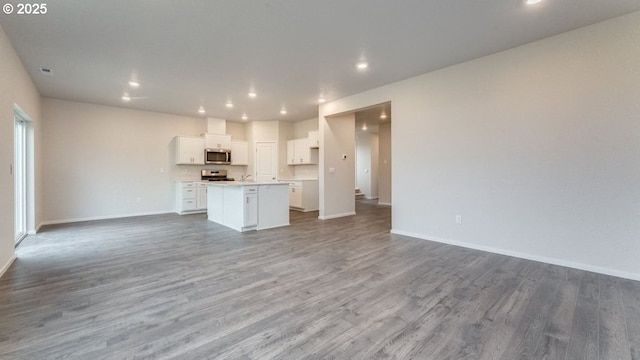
(161, 170)
(458, 219)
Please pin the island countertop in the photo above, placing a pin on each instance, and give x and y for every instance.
(245, 183)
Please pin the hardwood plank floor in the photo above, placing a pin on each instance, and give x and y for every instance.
(180, 287)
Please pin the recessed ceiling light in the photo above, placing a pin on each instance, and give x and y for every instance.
(229, 104)
(252, 94)
(126, 97)
(134, 84)
(532, 2)
(283, 111)
(362, 65)
(321, 100)
(244, 117)
(201, 110)
(383, 115)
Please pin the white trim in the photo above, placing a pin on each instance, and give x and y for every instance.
(7, 265)
(31, 232)
(542, 259)
(302, 209)
(64, 221)
(371, 198)
(329, 217)
(384, 203)
(189, 212)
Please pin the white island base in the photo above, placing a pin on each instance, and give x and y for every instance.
(245, 206)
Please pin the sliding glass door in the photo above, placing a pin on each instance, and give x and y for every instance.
(20, 178)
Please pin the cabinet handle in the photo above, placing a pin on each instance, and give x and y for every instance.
(247, 199)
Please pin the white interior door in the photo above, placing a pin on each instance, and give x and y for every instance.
(266, 161)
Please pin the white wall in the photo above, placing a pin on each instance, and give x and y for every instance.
(373, 194)
(384, 164)
(337, 175)
(363, 163)
(536, 147)
(301, 128)
(236, 130)
(367, 147)
(100, 160)
(16, 87)
(285, 132)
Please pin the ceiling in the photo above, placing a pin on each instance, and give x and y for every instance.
(187, 54)
(368, 119)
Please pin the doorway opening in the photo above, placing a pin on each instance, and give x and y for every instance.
(339, 132)
(373, 154)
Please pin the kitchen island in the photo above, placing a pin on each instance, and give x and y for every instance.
(245, 206)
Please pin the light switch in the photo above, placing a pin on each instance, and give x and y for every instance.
(332, 170)
(344, 156)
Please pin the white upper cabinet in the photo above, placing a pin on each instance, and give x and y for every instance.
(239, 153)
(314, 139)
(189, 150)
(217, 141)
(299, 152)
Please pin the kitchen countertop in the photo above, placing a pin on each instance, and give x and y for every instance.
(245, 183)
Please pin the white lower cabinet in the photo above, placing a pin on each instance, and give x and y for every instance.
(295, 195)
(245, 207)
(303, 195)
(241, 207)
(250, 210)
(191, 197)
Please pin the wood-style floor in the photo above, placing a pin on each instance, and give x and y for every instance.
(180, 287)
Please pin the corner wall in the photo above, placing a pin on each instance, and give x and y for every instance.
(16, 87)
(384, 164)
(337, 175)
(535, 147)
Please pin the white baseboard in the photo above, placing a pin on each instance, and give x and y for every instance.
(93, 218)
(371, 198)
(384, 203)
(542, 259)
(7, 265)
(272, 227)
(329, 217)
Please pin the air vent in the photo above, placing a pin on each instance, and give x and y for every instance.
(46, 71)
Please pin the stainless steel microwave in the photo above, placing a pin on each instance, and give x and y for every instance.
(217, 156)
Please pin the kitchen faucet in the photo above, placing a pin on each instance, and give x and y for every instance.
(244, 177)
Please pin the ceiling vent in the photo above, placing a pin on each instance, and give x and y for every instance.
(46, 71)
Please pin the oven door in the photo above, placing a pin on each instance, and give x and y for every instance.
(217, 156)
